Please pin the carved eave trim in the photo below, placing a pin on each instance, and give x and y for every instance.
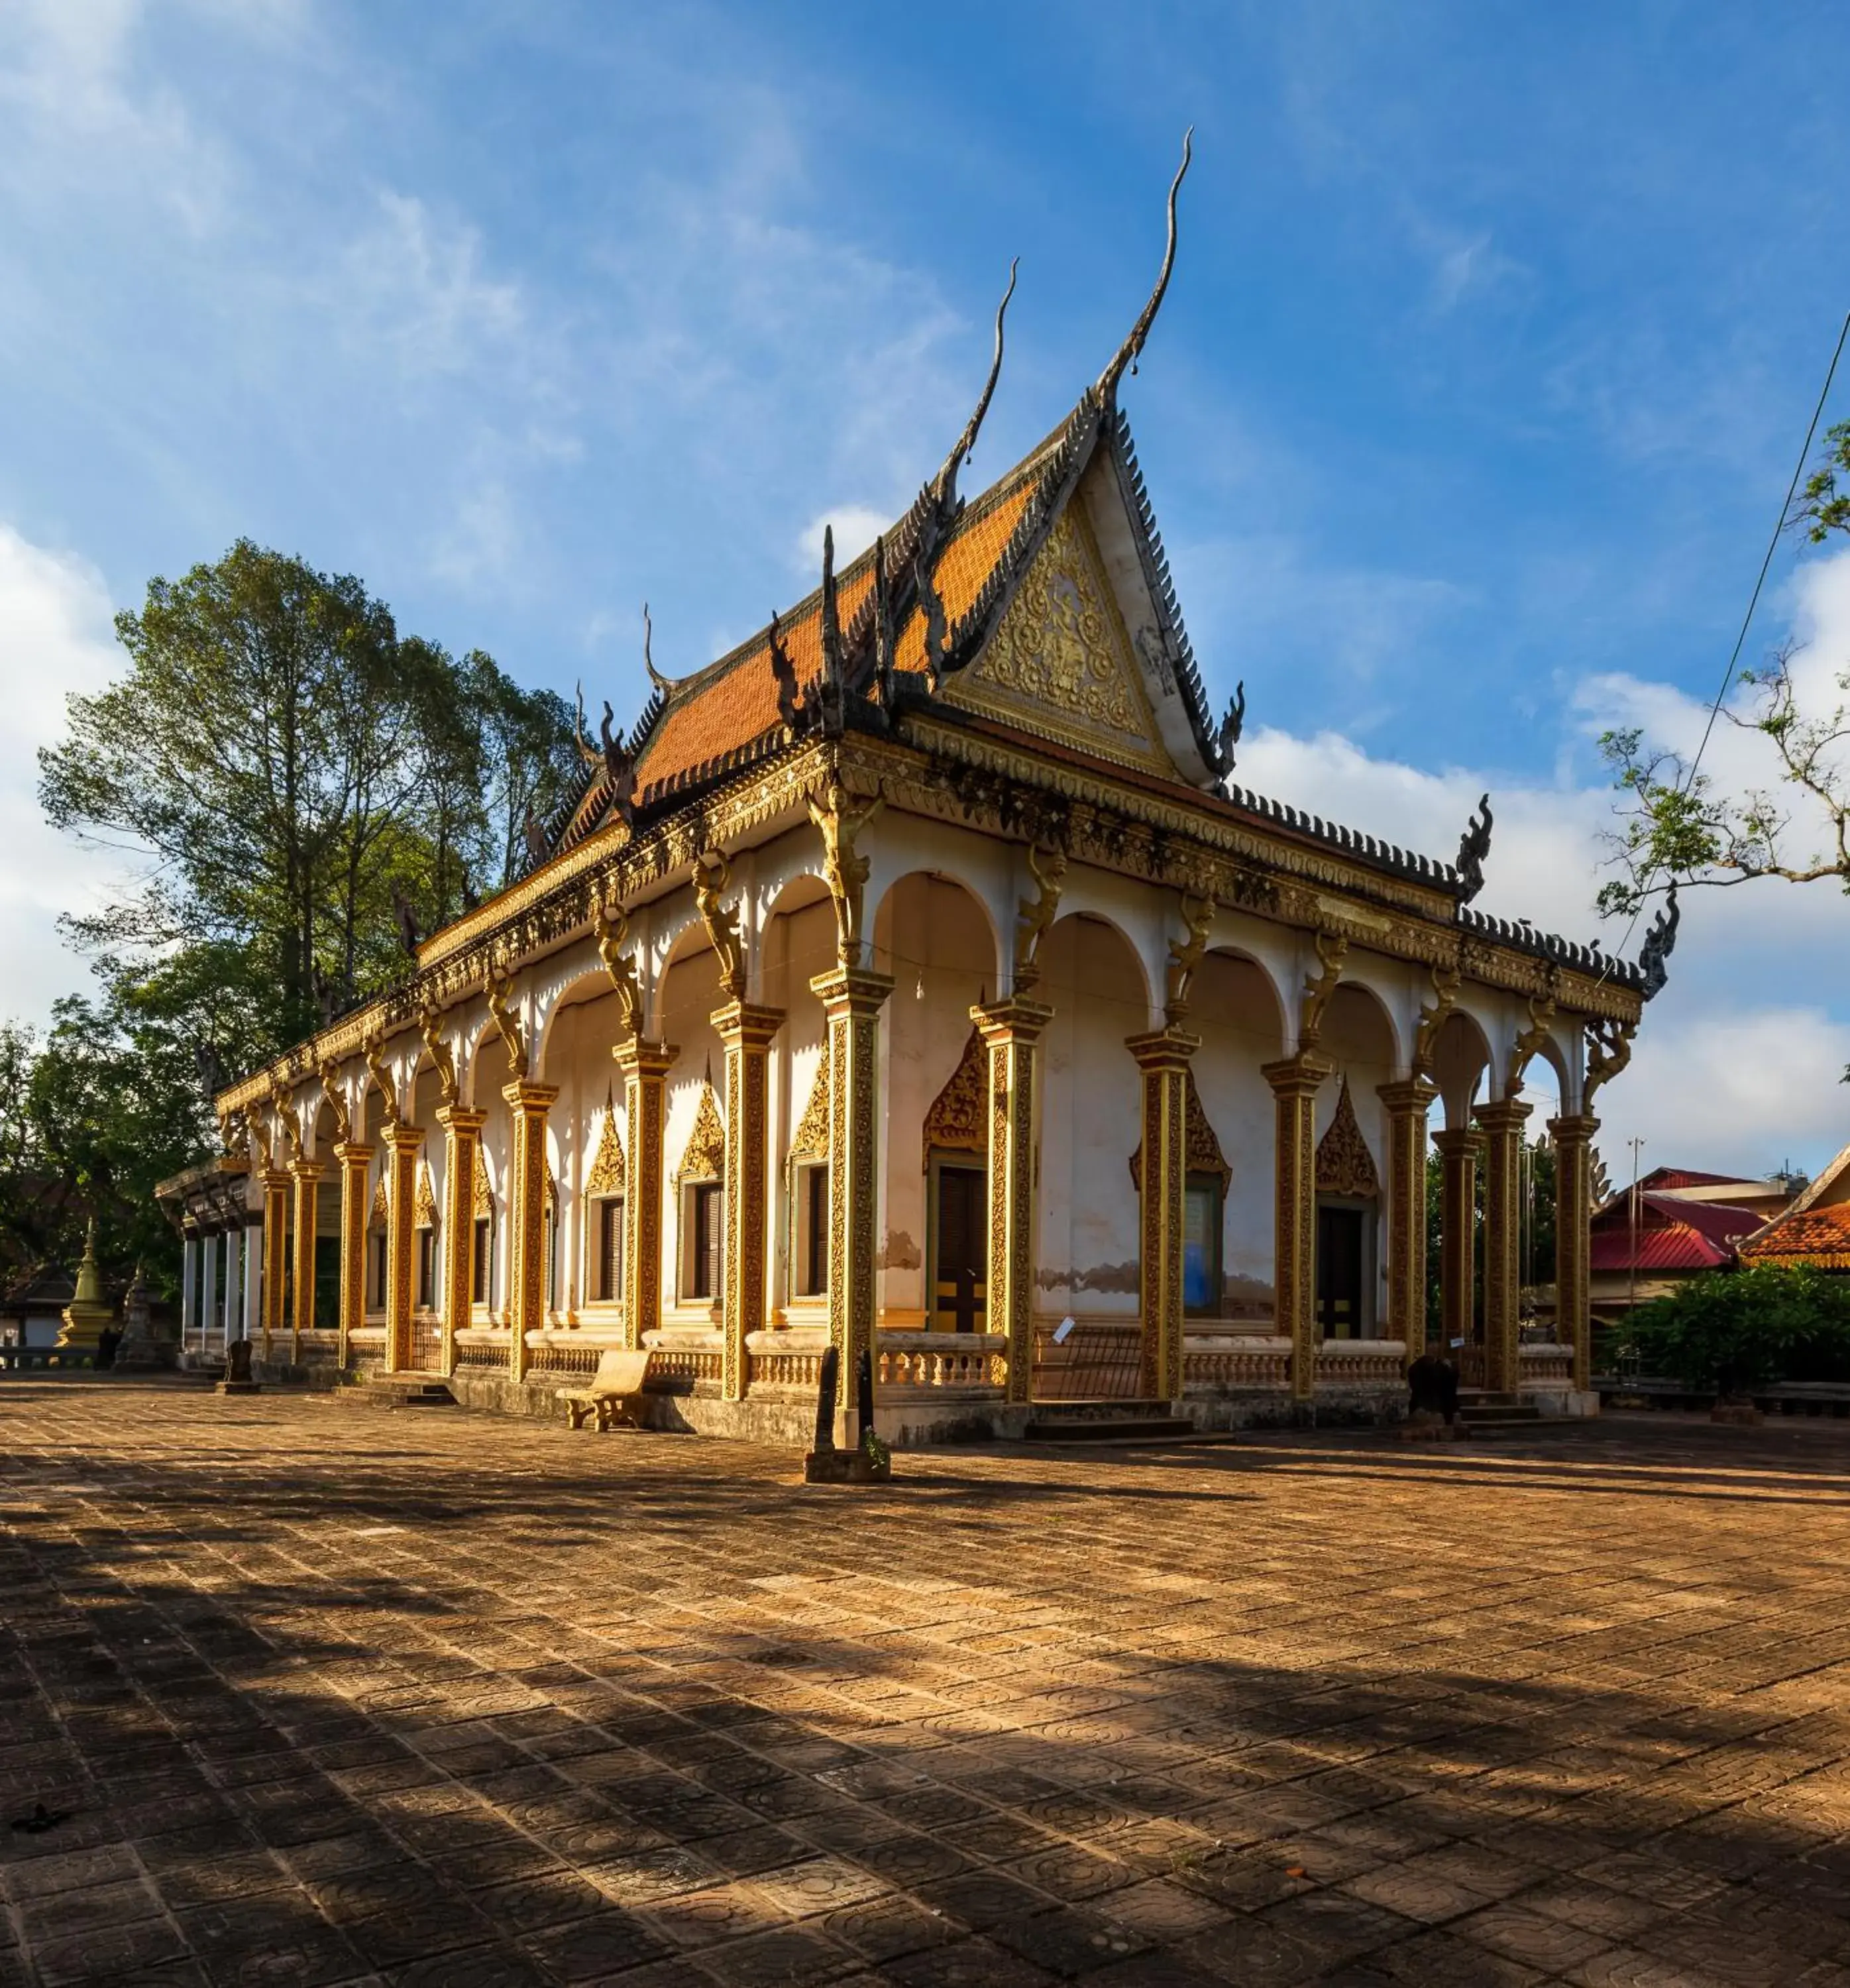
(810, 1140)
(703, 1158)
(958, 1121)
(608, 1174)
(1344, 1165)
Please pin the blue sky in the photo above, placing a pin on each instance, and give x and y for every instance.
(1493, 333)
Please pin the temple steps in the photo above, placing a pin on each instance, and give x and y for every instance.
(1478, 1408)
(405, 1391)
(1106, 1421)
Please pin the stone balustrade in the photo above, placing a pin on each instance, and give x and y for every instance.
(1360, 1363)
(551, 1351)
(1546, 1364)
(686, 1359)
(789, 1359)
(969, 1363)
(320, 1344)
(480, 1346)
(1213, 1363)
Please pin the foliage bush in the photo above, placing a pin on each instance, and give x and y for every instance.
(1735, 1331)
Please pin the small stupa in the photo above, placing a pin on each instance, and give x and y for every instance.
(137, 1353)
(88, 1314)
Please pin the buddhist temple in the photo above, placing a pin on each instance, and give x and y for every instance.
(919, 978)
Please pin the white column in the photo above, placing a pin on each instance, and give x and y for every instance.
(189, 1284)
(233, 1280)
(208, 1301)
(253, 1281)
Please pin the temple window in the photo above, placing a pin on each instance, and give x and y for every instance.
(810, 1251)
(703, 1224)
(426, 1267)
(481, 1261)
(607, 1227)
(1201, 1232)
(381, 1261)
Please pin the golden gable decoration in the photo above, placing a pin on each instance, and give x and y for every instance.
(381, 1204)
(1344, 1165)
(1202, 1153)
(810, 1140)
(958, 1120)
(484, 1195)
(704, 1157)
(1061, 663)
(608, 1173)
(424, 1207)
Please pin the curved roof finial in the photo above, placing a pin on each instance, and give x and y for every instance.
(947, 476)
(1126, 354)
(663, 683)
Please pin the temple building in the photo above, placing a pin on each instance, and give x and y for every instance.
(918, 979)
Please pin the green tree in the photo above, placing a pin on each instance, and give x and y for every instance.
(1739, 1329)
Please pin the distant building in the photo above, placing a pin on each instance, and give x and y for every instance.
(1672, 1225)
(31, 1307)
(1814, 1229)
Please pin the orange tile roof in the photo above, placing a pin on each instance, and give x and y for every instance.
(731, 703)
(1820, 1235)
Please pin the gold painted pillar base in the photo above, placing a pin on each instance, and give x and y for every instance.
(461, 1140)
(353, 1161)
(1408, 1104)
(403, 1143)
(745, 1032)
(1503, 1123)
(851, 997)
(644, 1066)
(1572, 1136)
(1163, 1057)
(276, 1186)
(1459, 1146)
(528, 1104)
(1294, 1080)
(306, 1175)
(1012, 1031)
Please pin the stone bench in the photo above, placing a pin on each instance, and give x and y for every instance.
(614, 1394)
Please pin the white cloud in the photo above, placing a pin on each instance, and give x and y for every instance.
(55, 638)
(855, 525)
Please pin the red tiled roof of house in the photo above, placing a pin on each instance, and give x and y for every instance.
(1816, 1235)
(1671, 1235)
(1676, 1177)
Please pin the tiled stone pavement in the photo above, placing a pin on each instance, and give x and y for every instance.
(326, 1694)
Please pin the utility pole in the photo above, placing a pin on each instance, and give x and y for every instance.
(1631, 1301)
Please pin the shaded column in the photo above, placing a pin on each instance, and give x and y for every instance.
(234, 1281)
(189, 1257)
(209, 1247)
(402, 1144)
(1012, 1031)
(275, 1256)
(1573, 1240)
(745, 1032)
(353, 1161)
(307, 1176)
(527, 1103)
(1408, 1104)
(461, 1142)
(1502, 1124)
(645, 1065)
(1459, 1146)
(851, 998)
(1163, 1056)
(1294, 1081)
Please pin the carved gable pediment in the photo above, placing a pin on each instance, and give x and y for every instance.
(424, 1205)
(1202, 1148)
(1062, 663)
(810, 1140)
(484, 1195)
(957, 1121)
(381, 1204)
(1344, 1165)
(607, 1174)
(704, 1156)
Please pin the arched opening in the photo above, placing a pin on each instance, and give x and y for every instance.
(321, 1132)
(797, 944)
(1235, 1009)
(934, 937)
(693, 1143)
(1351, 1165)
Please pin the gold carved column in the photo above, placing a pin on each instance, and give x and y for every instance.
(1572, 1136)
(1459, 1146)
(645, 1065)
(1294, 1080)
(461, 1144)
(306, 1175)
(1408, 1104)
(276, 1185)
(1012, 1032)
(527, 1103)
(354, 1210)
(745, 1033)
(851, 998)
(1502, 1124)
(403, 1143)
(1163, 1056)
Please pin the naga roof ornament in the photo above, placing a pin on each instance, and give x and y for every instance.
(1106, 389)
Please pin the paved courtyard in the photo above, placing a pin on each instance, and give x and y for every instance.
(312, 1692)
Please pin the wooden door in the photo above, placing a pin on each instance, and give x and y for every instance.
(960, 1253)
(1339, 1256)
